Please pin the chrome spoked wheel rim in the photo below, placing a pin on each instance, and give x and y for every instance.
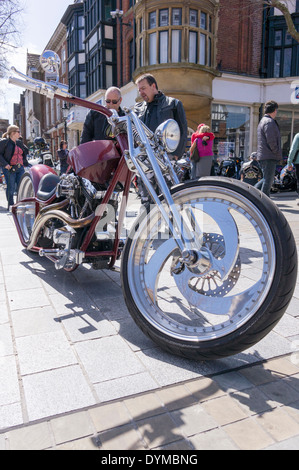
(26, 211)
(178, 301)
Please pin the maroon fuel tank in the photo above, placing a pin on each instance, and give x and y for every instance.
(95, 161)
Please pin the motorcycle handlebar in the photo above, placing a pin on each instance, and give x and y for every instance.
(37, 88)
(55, 90)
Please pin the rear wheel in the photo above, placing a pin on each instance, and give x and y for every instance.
(239, 300)
(26, 212)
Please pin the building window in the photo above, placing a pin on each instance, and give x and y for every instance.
(193, 18)
(171, 40)
(152, 48)
(163, 18)
(163, 47)
(176, 38)
(152, 20)
(141, 52)
(176, 16)
(282, 50)
(193, 47)
(202, 49)
(203, 20)
(131, 58)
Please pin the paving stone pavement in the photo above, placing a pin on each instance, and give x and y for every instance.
(76, 373)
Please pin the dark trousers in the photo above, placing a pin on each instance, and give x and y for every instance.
(12, 179)
(268, 168)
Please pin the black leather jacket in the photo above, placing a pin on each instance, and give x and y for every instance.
(7, 150)
(96, 126)
(159, 110)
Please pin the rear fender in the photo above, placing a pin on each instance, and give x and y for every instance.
(37, 172)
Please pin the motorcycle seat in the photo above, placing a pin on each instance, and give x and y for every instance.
(47, 186)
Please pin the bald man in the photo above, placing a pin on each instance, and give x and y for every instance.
(96, 125)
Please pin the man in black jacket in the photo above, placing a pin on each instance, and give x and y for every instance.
(157, 108)
(268, 146)
(96, 126)
(13, 158)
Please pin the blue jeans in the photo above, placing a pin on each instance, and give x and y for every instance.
(268, 168)
(12, 179)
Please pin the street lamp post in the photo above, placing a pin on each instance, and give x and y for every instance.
(118, 15)
(65, 112)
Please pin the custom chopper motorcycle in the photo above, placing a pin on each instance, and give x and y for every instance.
(207, 271)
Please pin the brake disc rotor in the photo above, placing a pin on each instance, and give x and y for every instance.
(211, 284)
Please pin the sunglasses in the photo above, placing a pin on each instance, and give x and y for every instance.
(113, 101)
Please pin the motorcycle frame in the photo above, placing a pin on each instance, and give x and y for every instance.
(189, 243)
(121, 170)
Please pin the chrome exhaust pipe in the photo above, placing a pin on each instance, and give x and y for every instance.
(51, 213)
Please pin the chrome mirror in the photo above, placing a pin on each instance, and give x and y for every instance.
(50, 62)
(170, 134)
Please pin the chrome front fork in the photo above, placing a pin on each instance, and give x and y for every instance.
(193, 254)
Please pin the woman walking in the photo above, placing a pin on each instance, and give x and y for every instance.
(201, 151)
(13, 158)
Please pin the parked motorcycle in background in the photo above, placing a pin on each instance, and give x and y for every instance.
(230, 167)
(41, 153)
(206, 272)
(285, 180)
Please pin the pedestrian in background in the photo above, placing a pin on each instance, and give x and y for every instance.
(96, 126)
(268, 146)
(201, 151)
(13, 158)
(293, 158)
(157, 108)
(62, 155)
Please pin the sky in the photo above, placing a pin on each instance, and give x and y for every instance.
(38, 22)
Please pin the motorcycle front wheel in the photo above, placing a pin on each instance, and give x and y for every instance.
(215, 314)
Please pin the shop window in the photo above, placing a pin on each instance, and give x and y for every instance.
(231, 126)
(284, 120)
(296, 123)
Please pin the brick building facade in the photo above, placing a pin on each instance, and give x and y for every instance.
(222, 59)
(240, 31)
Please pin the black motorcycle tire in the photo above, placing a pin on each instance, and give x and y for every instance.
(279, 291)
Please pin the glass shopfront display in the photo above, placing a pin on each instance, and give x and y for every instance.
(284, 120)
(231, 126)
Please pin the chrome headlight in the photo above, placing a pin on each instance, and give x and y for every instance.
(169, 132)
